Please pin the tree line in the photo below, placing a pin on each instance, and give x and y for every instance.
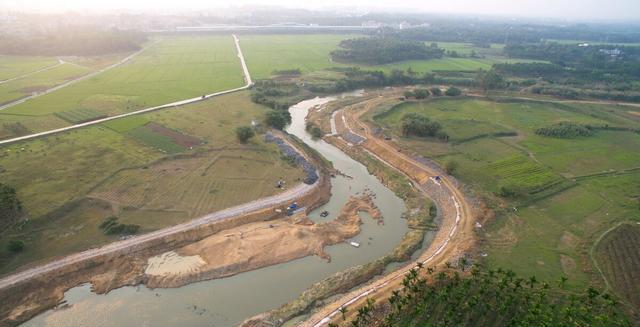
(478, 296)
(376, 51)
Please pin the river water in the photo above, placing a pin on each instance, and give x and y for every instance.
(228, 301)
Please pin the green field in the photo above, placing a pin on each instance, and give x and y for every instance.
(172, 68)
(576, 188)
(20, 88)
(266, 53)
(14, 66)
(148, 179)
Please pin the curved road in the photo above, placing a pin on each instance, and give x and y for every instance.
(455, 228)
(263, 203)
(245, 71)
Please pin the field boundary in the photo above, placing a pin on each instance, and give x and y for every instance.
(248, 84)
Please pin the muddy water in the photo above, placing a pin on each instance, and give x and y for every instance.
(228, 301)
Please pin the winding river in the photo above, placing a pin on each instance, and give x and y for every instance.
(228, 301)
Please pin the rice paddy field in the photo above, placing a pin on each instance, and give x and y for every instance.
(169, 69)
(152, 170)
(576, 189)
(268, 53)
(15, 66)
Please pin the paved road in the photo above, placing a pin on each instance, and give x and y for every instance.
(272, 201)
(248, 83)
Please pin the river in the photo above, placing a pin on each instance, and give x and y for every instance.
(228, 301)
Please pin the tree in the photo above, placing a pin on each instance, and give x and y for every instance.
(489, 80)
(453, 91)
(435, 91)
(421, 93)
(15, 246)
(10, 205)
(244, 133)
(278, 119)
(451, 166)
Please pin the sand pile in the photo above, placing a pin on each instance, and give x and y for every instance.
(257, 245)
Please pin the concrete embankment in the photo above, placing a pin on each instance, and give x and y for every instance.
(126, 266)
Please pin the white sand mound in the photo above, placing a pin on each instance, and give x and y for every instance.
(171, 263)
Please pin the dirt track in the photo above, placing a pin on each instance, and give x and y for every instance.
(456, 233)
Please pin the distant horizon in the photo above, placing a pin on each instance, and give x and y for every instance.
(621, 11)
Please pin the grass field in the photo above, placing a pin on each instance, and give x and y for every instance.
(618, 257)
(173, 68)
(578, 188)
(109, 169)
(14, 66)
(266, 53)
(38, 82)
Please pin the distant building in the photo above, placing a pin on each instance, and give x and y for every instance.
(612, 52)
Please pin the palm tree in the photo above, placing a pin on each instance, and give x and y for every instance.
(343, 311)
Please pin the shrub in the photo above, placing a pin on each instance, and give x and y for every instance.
(278, 119)
(565, 130)
(419, 125)
(110, 226)
(451, 166)
(512, 191)
(244, 133)
(453, 91)
(435, 91)
(15, 246)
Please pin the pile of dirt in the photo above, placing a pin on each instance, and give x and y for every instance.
(257, 245)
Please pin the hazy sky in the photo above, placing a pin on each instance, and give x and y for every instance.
(580, 9)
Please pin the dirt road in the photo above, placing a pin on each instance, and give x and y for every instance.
(59, 63)
(248, 83)
(454, 237)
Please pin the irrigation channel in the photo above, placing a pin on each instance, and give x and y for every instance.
(228, 301)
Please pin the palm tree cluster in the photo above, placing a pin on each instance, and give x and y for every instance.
(484, 297)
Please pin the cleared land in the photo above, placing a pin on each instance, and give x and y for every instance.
(309, 53)
(576, 188)
(187, 163)
(618, 256)
(171, 69)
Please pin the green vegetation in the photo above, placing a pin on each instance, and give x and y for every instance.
(278, 119)
(172, 68)
(14, 66)
(618, 256)
(552, 196)
(419, 125)
(79, 115)
(453, 91)
(377, 51)
(39, 82)
(486, 297)
(111, 170)
(244, 133)
(15, 246)
(10, 205)
(110, 226)
(314, 130)
(565, 130)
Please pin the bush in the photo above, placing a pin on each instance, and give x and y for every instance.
(278, 119)
(451, 167)
(512, 191)
(419, 125)
(453, 91)
(10, 205)
(244, 133)
(565, 130)
(15, 246)
(435, 91)
(421, 94)
(110, 226)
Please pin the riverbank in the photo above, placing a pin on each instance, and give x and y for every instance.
(111, 269)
